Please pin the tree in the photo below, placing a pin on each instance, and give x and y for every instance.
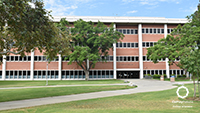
(90, 43)
(24, 26)
(183, 44)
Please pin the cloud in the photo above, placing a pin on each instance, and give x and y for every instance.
(134, 11)
(63, 7)
(151, 2)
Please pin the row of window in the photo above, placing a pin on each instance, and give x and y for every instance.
(127, 45)
(128, 31)
(108, 58)
(148, 44)
(18, 58)
(145, 31)
(79, 74)
(43, 58)
(127, 58)
(53, 74)
(18, 74)
(146, 59)
(161, 72)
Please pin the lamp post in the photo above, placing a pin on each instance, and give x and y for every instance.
(47, 73)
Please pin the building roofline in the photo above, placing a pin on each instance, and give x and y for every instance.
(107, 19)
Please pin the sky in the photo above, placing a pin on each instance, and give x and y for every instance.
(122, 8)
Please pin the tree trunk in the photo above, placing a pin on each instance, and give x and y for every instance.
(198, 84)
(86, 74)
(194, 85)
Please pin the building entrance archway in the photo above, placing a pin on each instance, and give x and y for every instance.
(128, 74)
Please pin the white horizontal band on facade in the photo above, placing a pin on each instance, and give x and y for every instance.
(128, 69)
(122, 19)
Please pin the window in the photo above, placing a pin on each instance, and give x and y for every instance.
(128, 31)
(128, 45)
(136, 44)
(132, 31)
(158, 30)
(143, 44)
(136, 31)
(151, 31)
(147, 44)
(124, 31)
(124, 44)
(154, 30)
(147, 30)
(132, 44)
(162, 30)
(142, 30)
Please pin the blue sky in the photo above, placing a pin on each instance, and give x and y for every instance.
(130, 8)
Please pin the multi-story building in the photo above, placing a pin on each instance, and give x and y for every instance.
(127, 59)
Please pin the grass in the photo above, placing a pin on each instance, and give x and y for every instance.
(149, 102)
(177, 79)
(30, 93)
(4, 84)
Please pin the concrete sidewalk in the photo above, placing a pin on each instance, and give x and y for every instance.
(143, 86)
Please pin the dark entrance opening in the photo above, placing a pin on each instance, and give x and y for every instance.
(128, 74)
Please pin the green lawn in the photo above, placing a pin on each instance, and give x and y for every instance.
(55, 82)
(176, 79)
(30, 93)
(150, 102)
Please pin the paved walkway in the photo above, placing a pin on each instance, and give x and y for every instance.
(143, 86)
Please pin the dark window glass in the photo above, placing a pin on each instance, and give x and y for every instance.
(148, 71)
(132, 31)
(121, 58)
(40, 58)
(116, 44)
(133, 58)
(20, 72)
(151, 43)
(111, 58)
(136, 31)
(143, 44)
(52, 72)
(164, 71)
(144, 58)
(142, 30)
(11, 72)
(154, 30)
(151, 30)
(136, 44)
(25, 58)
(132, 45)
(39, 72)
(94, 72)
(144, 72)
(158, 30)
(117, 58)
(16, 58)
(152, 72)
(128, 45)
(160, 72)
(124, 31)
(128, 31)
(7, 58)
(162, 30)
(156, 71)
(136, 58)
(35, 72)
(35, 58)
(170, 72)
(147, 30)
(67, 72)
(147, 44)
(129, 58)
(125, 58)
(29, 58)
(56, 72)
(103, 72)
(120, 45)
(24, 72)
(120, 30)
(107, 72)
(12, 58)
(168, 30)
(20, 58)
(124, 44)
(7, 72)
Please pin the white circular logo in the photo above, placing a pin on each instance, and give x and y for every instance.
(177, 92)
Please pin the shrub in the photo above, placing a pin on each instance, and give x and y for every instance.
(173, 75)
(165, 76)
(179, 75)
(156, 76)
(183, 75)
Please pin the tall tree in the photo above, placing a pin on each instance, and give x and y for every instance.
(181, 44)
(26, 25)
(90, 43)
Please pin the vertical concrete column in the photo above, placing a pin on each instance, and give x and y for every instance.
(4, 68)
(60, 67)
(167, 65)
(114, 57)
(32, 65)
(140, 50)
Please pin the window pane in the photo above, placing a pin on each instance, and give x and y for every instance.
(136, 31)
(124, 44)
(124, 31)
(151, 43)
(128, 31)
(136, 58)
(120, 45)
(142, 30)
(136, 44)
(132, 44)
(150, 30)
(132, 31)
(147, 44)
(143, 44)
(154, 30)
(147, 30)
(158, 30)
(162, 30)
(128, 45)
